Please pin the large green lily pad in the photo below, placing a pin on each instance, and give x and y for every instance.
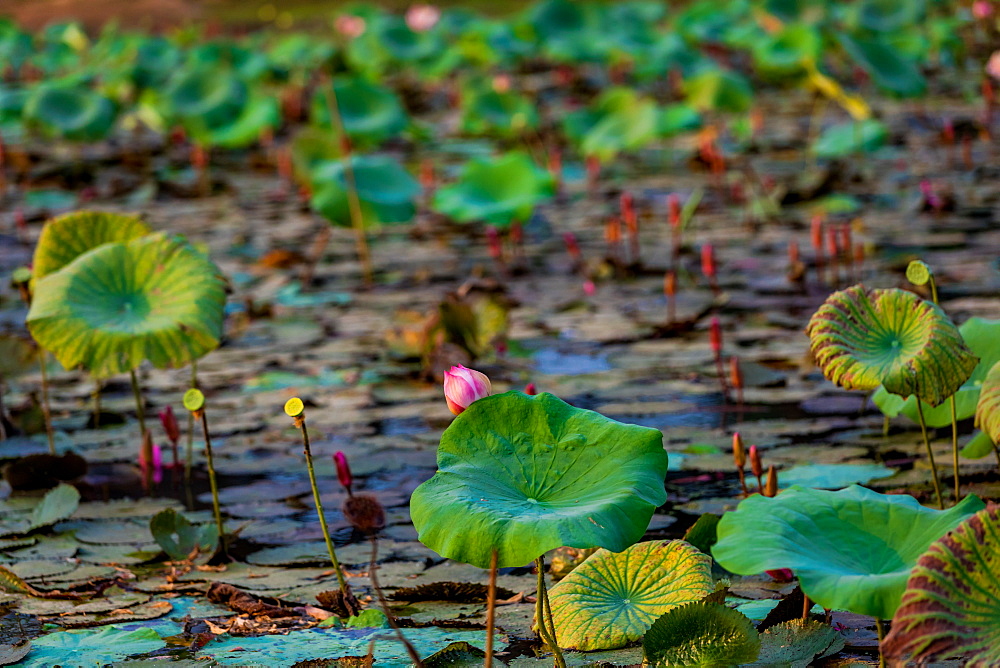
(611, 599)
(952, 601)
(863, 338)
(851, 550)
(110, 644)
(526, 474)
(114, 306)
(66, 237)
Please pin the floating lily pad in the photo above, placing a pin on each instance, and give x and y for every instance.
(798, 644)
(499, 191)
(57, 504)
(150, 298)
(385, 189)
(556, 475)
(179, 537)
(951, 605)
(69, 236)
(863, 338)
(611, 599)
(701, 634)
(832, 476)
(851, 550)
(110, 644)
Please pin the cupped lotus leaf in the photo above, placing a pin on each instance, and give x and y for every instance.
(114, 306)
(982, 337)
(988, 408)
(951, 605)
(370, 113)
(71, 111)
(851, 549)
(716, 89)
(259, 114)
(788, 51)
(386, 190)
(611, 599)
(851, 137)
(66, 237)
(156, 58)
(708, 635)
(798, 644)
(526, 474)
(499, 191)
(890, 70)
(863, 338)
(202, 98)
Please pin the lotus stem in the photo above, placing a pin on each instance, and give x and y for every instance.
(353, 202)
(541, 606)
(211, 478)
(491, 609)
(300, 422)
(389, 617)
(97, 403)
(954, 448)
(139, 412)
(880, 629)
(46, 411)
(930, 454)
(146, 447)
(189, 454)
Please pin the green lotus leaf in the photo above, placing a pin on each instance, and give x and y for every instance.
(71, 111)
(179, 537)
(370, 113)
(787, 51)
(678, 118)
(851, 549)
(798, 644)
(832, 476)
(203, 98)
(611, 599)
(715, 89)
(386, 190)
(403, 44)
(619, 120)
(702, 634)
(495, 190)
(526, 474)
(510, 113)
(65, 238)
(851, 137)
(888, 69)
(988, 408)
(889, 16)
(982, 337)
(114, 306)
(156, 58)
(951, 606)
(863, 338)
(978, 446)
(12, 101)
(103, 646)
(260, 113)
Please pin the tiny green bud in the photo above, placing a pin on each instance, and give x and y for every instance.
(194, 400)
(918, 273)
(294, 407)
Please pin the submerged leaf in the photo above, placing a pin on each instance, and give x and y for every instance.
(611, 599)
(864, 338)
(952, 601)
(851, 550)
(701, 634)
(798, 643)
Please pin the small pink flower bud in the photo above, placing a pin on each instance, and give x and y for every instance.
(981, 9)
(715, 336)
(350, 26)
(421, 18)
(530, 389)
(462, 386)
(589, 288)
(708, 261)
(755, 464)
(674, 206)
(169, 423)
(343, 470)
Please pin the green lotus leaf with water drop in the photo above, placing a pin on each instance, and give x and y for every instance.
(526, 474)
(851, 550)
(611, 599)
(66, 237)
(951, 605)
(120, 303)
(863, 338)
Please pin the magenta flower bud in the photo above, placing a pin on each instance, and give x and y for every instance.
(782, 574)
(530, 389)
(343, 470)
(169, 423)
(462, 386)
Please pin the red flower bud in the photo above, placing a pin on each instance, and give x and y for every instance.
(493, 239)
(755, 466)
(462, 386)
(735, 373)
(670, 284)
(715, 335)
(674, 205)
(169, 423)
(627, 203)
(572, 247)
(708, 261)
(343, 470)
(816, 230)
(530, 389)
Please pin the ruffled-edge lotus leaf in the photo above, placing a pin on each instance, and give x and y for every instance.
(851, 550)
(716, 89)
(70, 111)
(982, 337)
(988, 408)
(851, 137)
(863, 338)
(612, 599)
(66, 237)
(797, 644)
(704, 634)
(121, 303)
(386, 190)
(370, 113)
(495, 190)
(526, 474)
(951, 605)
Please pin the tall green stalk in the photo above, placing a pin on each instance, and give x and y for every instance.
(194, 401)
(930, 454)
(880, 629)
(46, 410)
(546, 628)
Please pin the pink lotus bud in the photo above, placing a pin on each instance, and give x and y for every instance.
(349, 26)
(755, 465)
(627, 203)
(739, 452)
(708, 261)
(155, 465)
(462, 386)
(589, 288)
(572, 247)
(715, 335)
(169, 423)
(992, 68)
(674, 206)
(530, 389)
(816, 233)
(501, 83)
(421, 18)
(343, 470)
(981, 9)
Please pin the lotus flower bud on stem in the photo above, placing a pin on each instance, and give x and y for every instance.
(715, 340)
(530, 389)
(495, 245)
(462, 386)
(173, 430)
(756, 467)
(740, 460)
(343, 471)
(627, 202)
(796, 270)
(771, 487)
(421, 18)
(708, 267)
(670, 291)
(613, 237)
(427, 176)
(736, 378)
(556, 170)
(589, 288)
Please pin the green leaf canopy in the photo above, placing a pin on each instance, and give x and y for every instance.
(863, 338)
(952, 601)
(66, 237)
(114, 306)
(851, 550)
(611, 599)
(526, 474)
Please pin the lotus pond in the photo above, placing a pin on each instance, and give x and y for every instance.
(588, 335)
